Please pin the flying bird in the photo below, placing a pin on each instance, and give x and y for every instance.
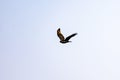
(61, 37)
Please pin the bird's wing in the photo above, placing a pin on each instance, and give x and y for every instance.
(72, 35)
(60, 35)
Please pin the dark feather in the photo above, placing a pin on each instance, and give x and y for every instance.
(60, 35)
(67, 38)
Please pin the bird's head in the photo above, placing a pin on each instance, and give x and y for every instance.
(58, 29)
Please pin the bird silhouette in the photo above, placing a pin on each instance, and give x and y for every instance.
(61, 37)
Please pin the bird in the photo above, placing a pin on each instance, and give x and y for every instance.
(61, 37)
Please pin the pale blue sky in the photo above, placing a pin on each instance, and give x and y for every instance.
(30, 48)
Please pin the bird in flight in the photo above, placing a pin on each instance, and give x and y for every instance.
(61, 37)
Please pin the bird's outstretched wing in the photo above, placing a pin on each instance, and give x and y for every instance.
(67, 38)
(60, 35)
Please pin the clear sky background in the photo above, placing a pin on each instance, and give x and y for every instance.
(30, 48)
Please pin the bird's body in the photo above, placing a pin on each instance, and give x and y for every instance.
(61, 37)
(64, 41)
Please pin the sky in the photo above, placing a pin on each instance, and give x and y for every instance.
(30, 48)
